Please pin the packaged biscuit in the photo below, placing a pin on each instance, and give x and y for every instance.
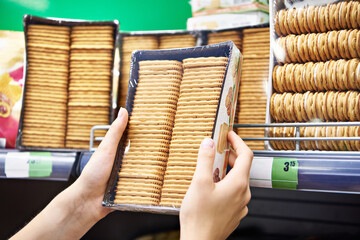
(315, 73)
(69, 66)
(11, 74)
(176, 98)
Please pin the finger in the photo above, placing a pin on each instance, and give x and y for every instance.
(244, 157)
(232, 158)
(205, 161)
(242, 151)
(114, 134)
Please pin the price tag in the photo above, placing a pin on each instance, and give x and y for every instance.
(28, 164)
(284, 173)
(40, 164)
(16, 165)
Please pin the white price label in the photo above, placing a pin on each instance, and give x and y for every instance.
(260, 172)
(17, 164)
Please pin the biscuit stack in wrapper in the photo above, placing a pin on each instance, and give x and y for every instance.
(218, 37)
(173, 111)
(68, 84)
(251, 107)
(90, 82)
(129, 44)
(45, 103)
(318, 76)
(176, 41)
(195, 116)
(149, 133)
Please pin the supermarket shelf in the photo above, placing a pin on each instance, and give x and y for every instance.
(36, 165)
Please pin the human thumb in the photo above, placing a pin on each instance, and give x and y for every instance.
(205, 160)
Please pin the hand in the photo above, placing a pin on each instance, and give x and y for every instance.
(214, 210)
(75, 210)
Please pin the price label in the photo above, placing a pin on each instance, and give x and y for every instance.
(284, 173)
(28, 164)
(40, 164)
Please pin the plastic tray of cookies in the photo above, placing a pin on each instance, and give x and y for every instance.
(175, 98)
(149, 40)
(69, 75)
(314, 77)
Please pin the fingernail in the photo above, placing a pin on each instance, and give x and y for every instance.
(120, 113)
(207, 143)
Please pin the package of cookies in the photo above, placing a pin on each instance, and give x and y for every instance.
(315, 74)
(176, 98)
(149, 40)
(68, 74)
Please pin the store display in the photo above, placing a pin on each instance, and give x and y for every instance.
(317, 76)
(253, 85)
(173, 105)
(68, 82)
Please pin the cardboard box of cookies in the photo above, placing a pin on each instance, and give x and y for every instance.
(315, 73)
(68, 75)
(176, 98)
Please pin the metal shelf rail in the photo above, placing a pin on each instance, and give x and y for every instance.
(328, 171)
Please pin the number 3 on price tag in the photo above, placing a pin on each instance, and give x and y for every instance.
(284, 173)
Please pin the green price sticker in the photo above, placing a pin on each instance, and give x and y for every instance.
(40, 164)
(284, 173)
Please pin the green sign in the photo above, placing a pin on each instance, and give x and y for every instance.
(40, 164)
(284, 173)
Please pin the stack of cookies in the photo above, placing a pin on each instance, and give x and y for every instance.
(315, 106)
(45, 103)
(218, 37)
(176, 41)
(336, 16)
(318, 76)
(328, 132)
(251, 107)
(342, 44)
(90, 82)
(173, 111)
(337, 75)
(129, 44)
(195, 116)
(149, 133)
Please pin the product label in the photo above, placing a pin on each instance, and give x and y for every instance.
(284, 173)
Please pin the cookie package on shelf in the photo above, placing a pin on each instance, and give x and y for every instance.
(176, 98)
(148, 41)
(316, 74)
(68, 82)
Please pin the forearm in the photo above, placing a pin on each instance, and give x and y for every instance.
(66, 217)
